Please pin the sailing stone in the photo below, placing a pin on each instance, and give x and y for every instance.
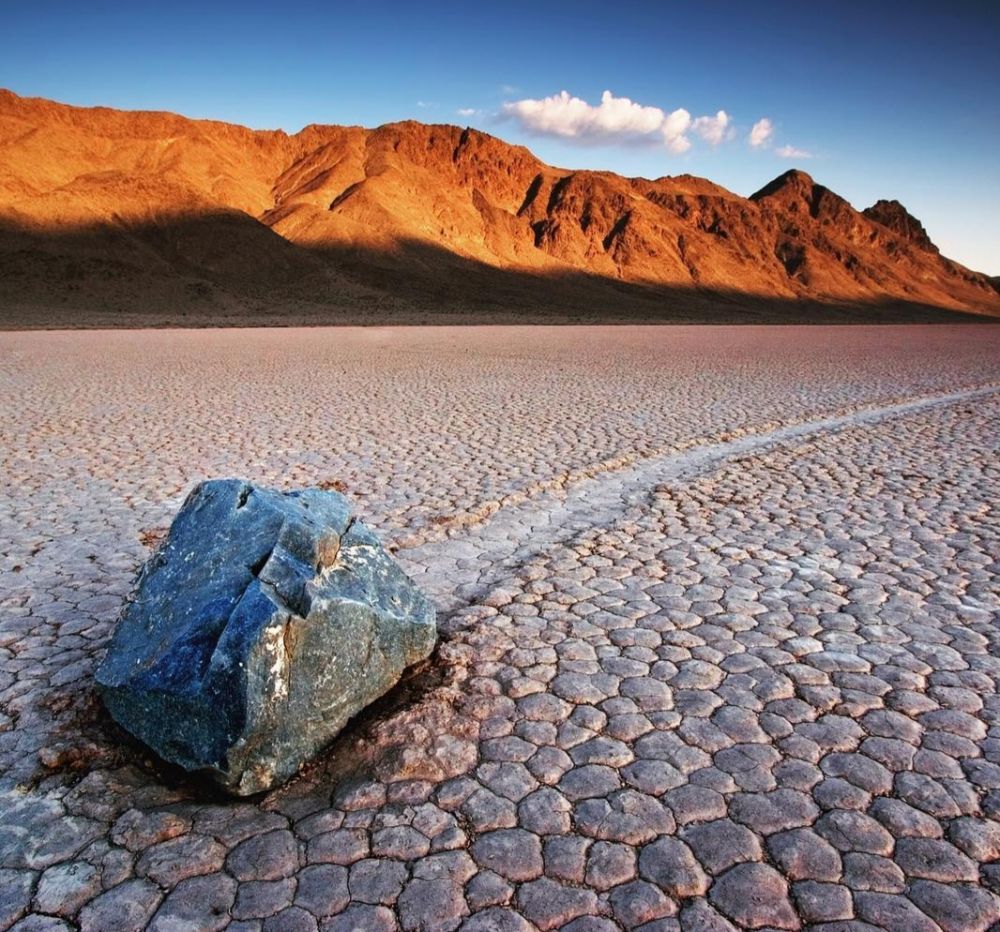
(260, 627)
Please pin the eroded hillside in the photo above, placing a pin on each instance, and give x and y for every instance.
(118, 211)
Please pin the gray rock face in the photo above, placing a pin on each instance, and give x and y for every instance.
(261, 626)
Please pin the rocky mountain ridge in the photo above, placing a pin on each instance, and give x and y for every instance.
(114, 210)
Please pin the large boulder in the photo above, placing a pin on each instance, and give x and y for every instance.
(261, 626)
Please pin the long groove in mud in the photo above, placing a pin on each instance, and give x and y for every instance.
(507, 539)
(442, 526)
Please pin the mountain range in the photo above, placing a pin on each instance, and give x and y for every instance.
(114, 217)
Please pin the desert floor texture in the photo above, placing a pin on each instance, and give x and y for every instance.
(718, 611)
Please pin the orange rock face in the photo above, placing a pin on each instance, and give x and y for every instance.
(103, 205)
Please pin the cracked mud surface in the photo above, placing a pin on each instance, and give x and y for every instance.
(704, 664)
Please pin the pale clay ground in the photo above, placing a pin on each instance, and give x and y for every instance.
(696, 671)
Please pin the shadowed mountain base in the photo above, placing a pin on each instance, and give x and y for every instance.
(229, 270)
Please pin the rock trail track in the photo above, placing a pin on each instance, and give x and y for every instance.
(742, 673)
(486, 551)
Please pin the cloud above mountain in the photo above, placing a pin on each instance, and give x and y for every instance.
(616, 119)
(791, 152)
(761, 133)
(714, 129)
(623, 121)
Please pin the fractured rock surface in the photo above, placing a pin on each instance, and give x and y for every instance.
(265, 622)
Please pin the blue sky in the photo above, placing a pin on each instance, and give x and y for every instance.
(887, 99)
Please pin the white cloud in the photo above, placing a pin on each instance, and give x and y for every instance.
(713, 129)
(467, 111)
(675, 125)
(571, 117)
(761, 133)
(614, 119)
(790, 152)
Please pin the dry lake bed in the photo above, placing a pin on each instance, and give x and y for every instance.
(718, 609)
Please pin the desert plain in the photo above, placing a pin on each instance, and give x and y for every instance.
(718, 616)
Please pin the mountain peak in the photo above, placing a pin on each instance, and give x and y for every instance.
(896, 217)
(794, 180)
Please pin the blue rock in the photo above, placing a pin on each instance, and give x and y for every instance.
(263, 624)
